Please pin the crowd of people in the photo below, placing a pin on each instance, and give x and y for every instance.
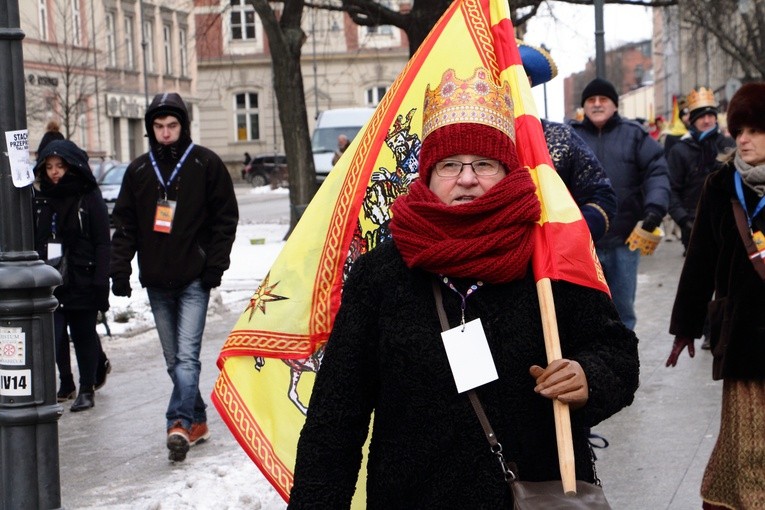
(462, 243)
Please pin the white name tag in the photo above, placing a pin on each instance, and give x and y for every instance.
(469, 356)
(54, 250)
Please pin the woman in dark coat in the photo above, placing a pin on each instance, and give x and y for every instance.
(466, 226)
(72, 234)
(724, 276)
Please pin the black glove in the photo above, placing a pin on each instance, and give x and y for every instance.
(121, 287)
(101, 296)
(211, 278)
(651, 221)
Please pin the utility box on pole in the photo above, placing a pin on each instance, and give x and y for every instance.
(29, 413)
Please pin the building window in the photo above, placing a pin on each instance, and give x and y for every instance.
(129, 54)
(111, 46)
(375, 95)
(148, 42)
(168, 47)
(246, 116)
(184, 56)
(76, 22)
(242, 21)
(382, 29)
(43, 10)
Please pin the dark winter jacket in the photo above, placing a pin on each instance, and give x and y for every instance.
(635, 164)
(74, 214)
(690, 162)
(583, 175)
(205, 219)
(717, 262)
(385, 355)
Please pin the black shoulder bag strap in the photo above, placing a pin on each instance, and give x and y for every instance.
(743, 230)
(509, 469)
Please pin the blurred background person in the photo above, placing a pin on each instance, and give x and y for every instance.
(693, 158)
(635, 164)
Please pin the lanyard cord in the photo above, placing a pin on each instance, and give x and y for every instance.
(177, 168)
(477, 285)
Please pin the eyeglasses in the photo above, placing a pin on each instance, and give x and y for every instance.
(481, 167)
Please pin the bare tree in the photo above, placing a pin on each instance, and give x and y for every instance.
(736, 27)
(282, 25)
(285, 42)
(70, 91)
(419, 20)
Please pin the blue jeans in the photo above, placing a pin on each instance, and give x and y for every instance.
(180, 316)
(620, 265)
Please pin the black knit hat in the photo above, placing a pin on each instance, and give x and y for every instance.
(600, 87)
(747, 108)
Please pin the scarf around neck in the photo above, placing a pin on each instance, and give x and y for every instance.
(490, 238)
(753, 176)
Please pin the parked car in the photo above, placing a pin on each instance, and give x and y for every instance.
(267, 169)
(330, 125)
(110, 184)
(99, 166)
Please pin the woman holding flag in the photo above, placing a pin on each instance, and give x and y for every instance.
(463, 235)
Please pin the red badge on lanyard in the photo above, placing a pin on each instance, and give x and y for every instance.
(163, 218)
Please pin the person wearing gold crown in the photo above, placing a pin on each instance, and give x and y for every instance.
(462, 235)
(573, 159)
(694, 157)
(637, 168)
(724, 277)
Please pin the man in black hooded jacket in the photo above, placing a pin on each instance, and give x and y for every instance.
(176, 209)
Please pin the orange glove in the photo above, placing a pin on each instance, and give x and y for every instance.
(563, 379)
(681, 342)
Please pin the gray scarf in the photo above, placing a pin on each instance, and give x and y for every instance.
(753, 176)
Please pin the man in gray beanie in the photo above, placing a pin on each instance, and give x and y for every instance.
(635, 164)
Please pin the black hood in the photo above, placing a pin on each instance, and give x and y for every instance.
(79, 178)
(168, 103)
(76, 158)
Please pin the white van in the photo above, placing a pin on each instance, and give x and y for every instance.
(330, 125)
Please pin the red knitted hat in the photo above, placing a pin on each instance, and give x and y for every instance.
(472, 116)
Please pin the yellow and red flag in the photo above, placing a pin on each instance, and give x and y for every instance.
(676, 126)
(268, 362)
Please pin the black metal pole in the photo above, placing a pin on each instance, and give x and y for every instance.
(600, 45)
(29, 463)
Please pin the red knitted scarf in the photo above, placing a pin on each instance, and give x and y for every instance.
(489, 238)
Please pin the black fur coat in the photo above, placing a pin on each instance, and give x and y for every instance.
(386, 356)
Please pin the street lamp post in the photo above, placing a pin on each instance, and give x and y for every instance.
(29, 463)
(600, 45)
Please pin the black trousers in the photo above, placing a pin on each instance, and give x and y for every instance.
(87, 345)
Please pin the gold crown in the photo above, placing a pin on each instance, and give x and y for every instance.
(701, 99)
(477, 100)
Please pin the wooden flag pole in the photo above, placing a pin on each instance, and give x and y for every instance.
(561, 411)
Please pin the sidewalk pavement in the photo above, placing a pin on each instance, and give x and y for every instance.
(658, 449)
(659, 446)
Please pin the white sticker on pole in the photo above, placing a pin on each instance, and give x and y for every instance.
(15, 383)
(17, 143)
(13, 346)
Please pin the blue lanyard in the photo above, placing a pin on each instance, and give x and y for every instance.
(177, 168)
(477, 285)
(53, 225)
(740, 193)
